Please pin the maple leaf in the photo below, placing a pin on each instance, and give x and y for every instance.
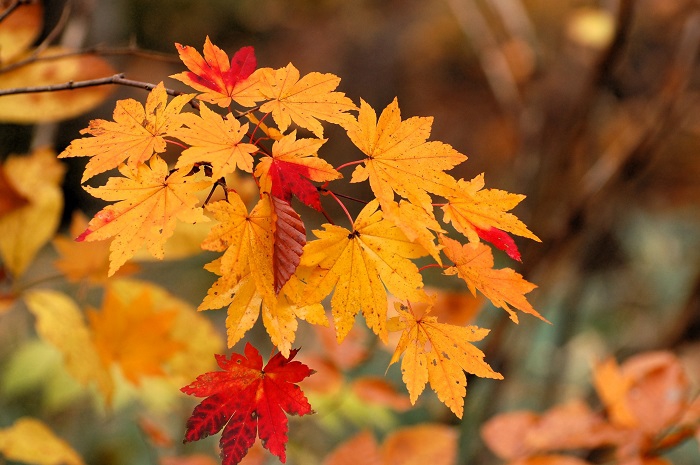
(135, 134)
(134, 335)
(503, 287)
(246, 240)
(247, 275)
(303, 101)
(438, 353)
(292, 167)
(483, 213)
(247, 400)
(358, 264)
(152, 199)
(215, 140)
(220, 80)
(399, 159)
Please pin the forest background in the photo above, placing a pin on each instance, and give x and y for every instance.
(588, 108)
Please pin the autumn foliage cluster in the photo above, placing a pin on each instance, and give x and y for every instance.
(239, 162)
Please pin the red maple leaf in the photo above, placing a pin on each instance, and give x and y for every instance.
(247, 400)
(213, 74)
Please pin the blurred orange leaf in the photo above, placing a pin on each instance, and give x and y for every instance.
(135, 335)
(84, 260)
(20, 29)
(378, 391)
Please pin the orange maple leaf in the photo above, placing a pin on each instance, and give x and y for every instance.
(151, 201)
(438, 353)
(303, 101)
(215, 140)
(359, 264)
(134, 335)
(135, 134)
(218, 79)
(399, 158)
(503, 287)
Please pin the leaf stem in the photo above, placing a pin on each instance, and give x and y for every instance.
(432, 265)
(347, 197)
(350, 163)
(13, 6)
(342, 205)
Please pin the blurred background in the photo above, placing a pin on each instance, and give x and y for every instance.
(590, 108)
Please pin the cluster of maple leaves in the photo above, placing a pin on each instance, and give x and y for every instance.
(266, 265)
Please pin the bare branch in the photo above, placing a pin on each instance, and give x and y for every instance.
(70, 85)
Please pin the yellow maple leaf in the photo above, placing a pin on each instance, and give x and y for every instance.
(303, 101)
(152, 199)
(439, 354)
(26, 229)
(484, 209)
(357, 265)
(246, 240)
(503, 287)
(416, 223)
(399, 158)
(246, 270)
(136, 335)
(135, 134)
(29, 440)
(216, 140)
(84, 260)
(60, 322)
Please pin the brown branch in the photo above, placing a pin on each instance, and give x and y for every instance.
(71, 85)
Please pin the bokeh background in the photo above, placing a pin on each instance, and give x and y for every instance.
(590, 108)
